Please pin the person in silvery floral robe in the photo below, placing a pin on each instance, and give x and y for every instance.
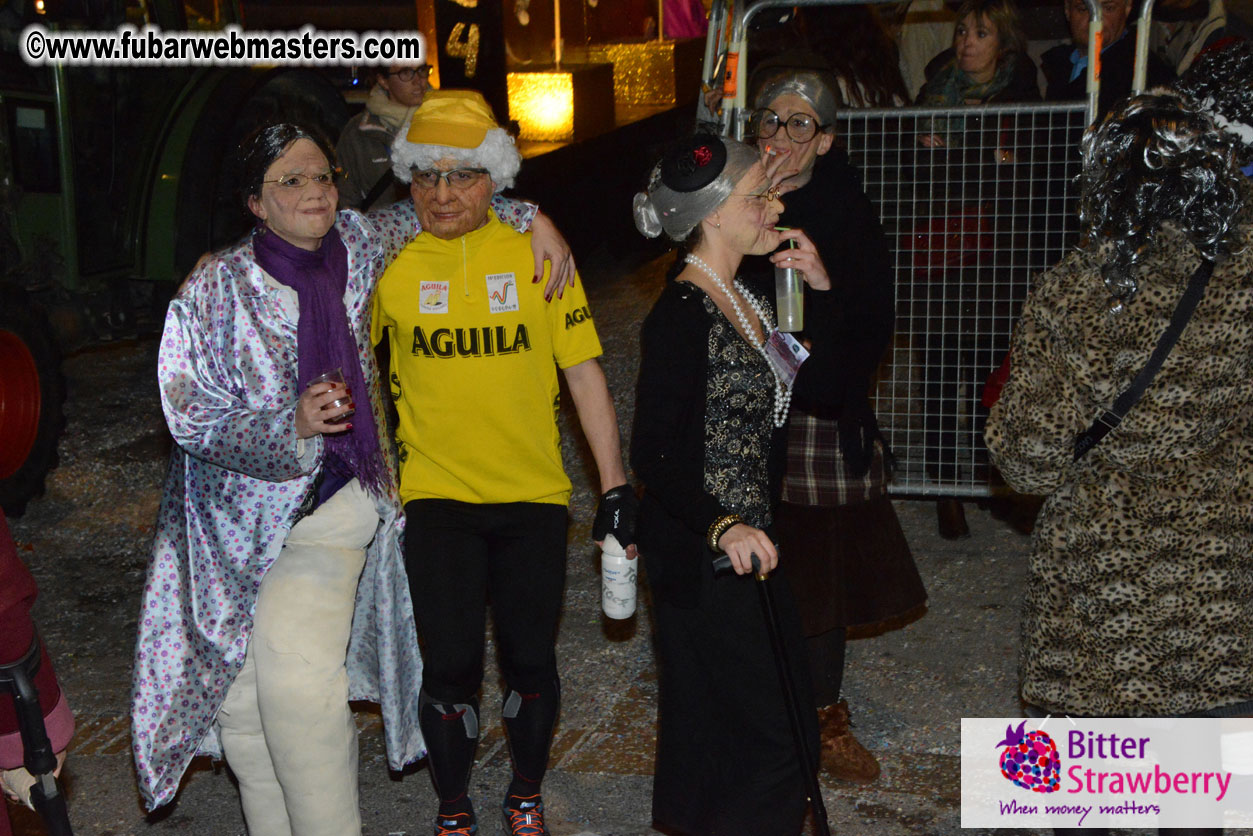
(278, 536)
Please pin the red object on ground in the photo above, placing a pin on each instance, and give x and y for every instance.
(19, 403)
(17, 596)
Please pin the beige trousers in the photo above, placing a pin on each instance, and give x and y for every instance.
(286, 728)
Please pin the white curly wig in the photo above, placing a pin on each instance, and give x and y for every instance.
(496, 153)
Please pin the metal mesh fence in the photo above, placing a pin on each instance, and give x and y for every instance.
(975, 202)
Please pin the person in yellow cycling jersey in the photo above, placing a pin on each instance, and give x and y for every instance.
(475, 353)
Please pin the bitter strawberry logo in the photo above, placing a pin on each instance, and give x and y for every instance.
(1030, 760)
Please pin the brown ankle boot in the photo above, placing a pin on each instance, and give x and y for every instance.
(951, 517)
(842, 756)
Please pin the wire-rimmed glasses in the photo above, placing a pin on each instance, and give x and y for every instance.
(296, 182)
(457, 178)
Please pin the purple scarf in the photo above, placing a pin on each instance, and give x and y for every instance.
(323, 342)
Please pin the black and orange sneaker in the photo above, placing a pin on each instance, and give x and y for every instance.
(459, 824)
(524, 816)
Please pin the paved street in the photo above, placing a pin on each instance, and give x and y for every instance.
(87, 541)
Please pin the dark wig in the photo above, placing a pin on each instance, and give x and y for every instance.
(258, 151)
(1221, 82)
(1159, 159)
(859, 50)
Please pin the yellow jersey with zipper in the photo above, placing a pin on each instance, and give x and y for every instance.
(475, 351)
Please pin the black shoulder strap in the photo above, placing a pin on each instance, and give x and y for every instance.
(380, 186)
(1112, 417)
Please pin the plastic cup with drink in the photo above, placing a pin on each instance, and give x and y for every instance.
(335, 377)
(789, 294)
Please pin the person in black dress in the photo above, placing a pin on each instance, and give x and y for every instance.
(708, 444)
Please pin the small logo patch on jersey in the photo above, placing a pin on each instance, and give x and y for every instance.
(433, 297)
(502, 292)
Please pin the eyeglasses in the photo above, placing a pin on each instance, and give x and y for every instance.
(296, 182)
(768, 196)
(407, 74)
(801, 127)
(458, 178)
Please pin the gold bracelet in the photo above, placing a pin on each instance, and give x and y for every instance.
(720, 527)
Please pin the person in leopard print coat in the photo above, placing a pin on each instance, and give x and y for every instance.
(1140, 598)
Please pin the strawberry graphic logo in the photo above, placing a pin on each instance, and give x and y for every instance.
(1030, 759)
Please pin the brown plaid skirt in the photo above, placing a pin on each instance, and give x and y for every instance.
(846, 555)
(816, 474)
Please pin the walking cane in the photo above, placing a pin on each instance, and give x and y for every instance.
(766, 595)
(18, 678)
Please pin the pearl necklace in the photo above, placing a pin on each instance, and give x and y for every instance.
(782, 393)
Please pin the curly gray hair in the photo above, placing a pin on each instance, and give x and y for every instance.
(1221, 82)
(1159, 159)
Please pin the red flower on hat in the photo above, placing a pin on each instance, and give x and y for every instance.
(702, 155)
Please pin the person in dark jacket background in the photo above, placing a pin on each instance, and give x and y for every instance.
(17, 632)
(1065, 66)
(974, 170)
(848, 559)
(365, 144)
(987, 62)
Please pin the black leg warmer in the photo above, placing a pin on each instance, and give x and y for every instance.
(452, 734)
(529, 721)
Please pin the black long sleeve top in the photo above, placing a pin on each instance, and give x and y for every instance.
(1117, 69)
(833, 210)
(668, 438)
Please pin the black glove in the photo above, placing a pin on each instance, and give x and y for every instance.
(615, 514)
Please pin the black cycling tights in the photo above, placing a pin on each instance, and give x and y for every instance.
(459, 556)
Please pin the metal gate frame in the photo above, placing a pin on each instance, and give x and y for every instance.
(969, 225)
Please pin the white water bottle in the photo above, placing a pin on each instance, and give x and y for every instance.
(617, 580)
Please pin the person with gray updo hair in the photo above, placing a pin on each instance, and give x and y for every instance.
(1138, 603)
(708, 444)
(668, 206)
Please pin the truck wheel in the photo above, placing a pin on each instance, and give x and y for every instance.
(32, 394)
